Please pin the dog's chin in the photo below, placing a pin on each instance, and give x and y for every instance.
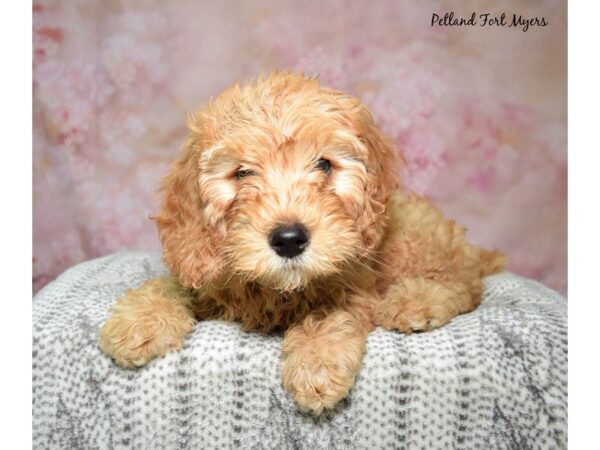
(288, 275)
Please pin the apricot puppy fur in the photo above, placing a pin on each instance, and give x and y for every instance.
(284, 211)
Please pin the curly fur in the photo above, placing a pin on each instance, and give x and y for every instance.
(377, 255)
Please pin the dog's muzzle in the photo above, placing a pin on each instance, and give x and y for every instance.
(289, 241)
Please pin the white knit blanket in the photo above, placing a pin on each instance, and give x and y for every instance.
(492, 379)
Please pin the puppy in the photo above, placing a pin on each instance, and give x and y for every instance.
(284, 212)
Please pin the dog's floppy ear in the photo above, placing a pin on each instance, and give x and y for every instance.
(382, 167)
(383, 179)
(191, 245)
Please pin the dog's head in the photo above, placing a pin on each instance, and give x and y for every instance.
(280, 182)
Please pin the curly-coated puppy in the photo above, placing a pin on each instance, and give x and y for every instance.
(284, 212)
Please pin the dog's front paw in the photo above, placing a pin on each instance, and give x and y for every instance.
(133, 343)
(321, 359)
(316, 383)
(418, 305)
(138, 331)
(415, 319)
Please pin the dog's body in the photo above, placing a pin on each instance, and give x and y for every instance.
(284, 212)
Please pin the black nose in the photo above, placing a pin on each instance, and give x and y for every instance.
(289, 240)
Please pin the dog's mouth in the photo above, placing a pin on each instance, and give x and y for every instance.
(294, 264)
(290, 274)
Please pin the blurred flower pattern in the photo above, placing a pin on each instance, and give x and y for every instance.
(479, 114)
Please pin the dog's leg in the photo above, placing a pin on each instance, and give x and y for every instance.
(148, 322)
(322, 356)
(422, 304)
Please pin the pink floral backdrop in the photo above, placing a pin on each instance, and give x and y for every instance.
(479, 113)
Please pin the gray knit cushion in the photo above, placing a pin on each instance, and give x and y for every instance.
(495, 378)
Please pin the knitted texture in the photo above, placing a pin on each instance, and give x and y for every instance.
(494, 378)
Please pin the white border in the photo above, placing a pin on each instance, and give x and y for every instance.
(584, 224)
(16, 224)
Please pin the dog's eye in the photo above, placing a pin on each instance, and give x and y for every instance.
(324, 165)
(242, 173)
